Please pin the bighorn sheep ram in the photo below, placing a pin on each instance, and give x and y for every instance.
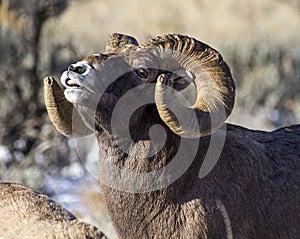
(158, 111)
(251, 192)
(26, 214)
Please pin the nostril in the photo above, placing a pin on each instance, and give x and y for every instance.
(80, 69)
(77, 69)
(71, 68)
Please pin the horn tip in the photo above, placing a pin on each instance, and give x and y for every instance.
(48, 80)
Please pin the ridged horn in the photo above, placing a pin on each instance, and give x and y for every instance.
(118, 43)
(61, 112)
(213, 82)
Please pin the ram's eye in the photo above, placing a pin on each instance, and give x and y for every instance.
(142, 72)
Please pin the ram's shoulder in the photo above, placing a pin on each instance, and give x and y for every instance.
(278, 147)
(289, 134)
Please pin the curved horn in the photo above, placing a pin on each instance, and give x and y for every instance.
(118, 43)
(214, 86)
(61, 112)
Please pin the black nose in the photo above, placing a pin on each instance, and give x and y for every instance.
(77, 69)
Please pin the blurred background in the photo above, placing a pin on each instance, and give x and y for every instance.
(258, 39)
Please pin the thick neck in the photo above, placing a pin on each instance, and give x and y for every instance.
(148, 150)
(134, 211)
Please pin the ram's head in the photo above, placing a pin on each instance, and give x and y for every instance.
(193, 90)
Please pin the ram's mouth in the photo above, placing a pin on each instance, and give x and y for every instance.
(72, 83)
(75, 92)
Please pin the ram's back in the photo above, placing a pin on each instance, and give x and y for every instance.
(272, 176)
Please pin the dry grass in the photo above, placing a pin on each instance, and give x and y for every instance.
(251, 22)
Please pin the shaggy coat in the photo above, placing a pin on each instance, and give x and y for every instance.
(251, 192)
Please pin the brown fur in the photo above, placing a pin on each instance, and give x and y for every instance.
(256, 179)
(25, 213)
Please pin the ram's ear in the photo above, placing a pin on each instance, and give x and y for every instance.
(118, 43)
(61, 112)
